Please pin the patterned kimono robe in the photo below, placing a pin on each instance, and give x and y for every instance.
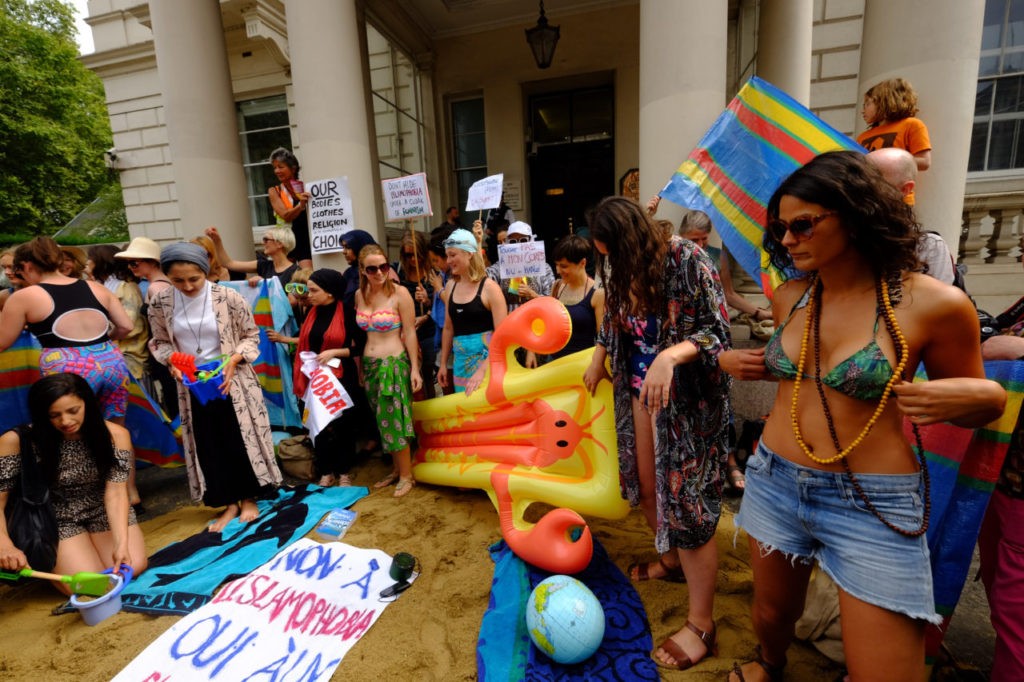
(238, 334)
(691, 434)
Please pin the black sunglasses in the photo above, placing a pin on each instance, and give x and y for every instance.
(802, 228)
(133, 263)
(384, 268)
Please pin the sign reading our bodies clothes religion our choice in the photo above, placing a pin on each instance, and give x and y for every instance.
(485, 193)
(330, 213)
(521, 260)
(293, 618)
(407, 197)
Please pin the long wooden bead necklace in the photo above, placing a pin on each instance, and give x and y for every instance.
(884, 302)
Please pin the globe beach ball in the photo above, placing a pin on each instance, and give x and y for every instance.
(565, 620)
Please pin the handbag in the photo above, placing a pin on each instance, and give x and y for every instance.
(31, 521)
(296, 455)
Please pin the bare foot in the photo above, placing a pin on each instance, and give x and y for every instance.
(230, 512)
(691, 644)
(249, 511)
(386, 481)
(326, 481)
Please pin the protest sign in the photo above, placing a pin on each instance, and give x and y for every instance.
(485, 193)
(521, 260)
(330, 213)
(294, 617)
(325, 397)
(407, 197)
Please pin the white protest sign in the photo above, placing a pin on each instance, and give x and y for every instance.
(521, 260)
(407, 197)
(330, 213)
(294, 617)
(485, 194)
(325, 397)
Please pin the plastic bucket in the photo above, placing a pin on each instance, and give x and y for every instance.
(208, 390)
(97, 610)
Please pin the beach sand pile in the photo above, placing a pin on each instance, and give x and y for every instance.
(430, 632)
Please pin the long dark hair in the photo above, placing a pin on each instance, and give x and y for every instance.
(47, 439)
(881, 226)
(636, 253)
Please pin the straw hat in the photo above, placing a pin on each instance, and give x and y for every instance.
(141, 248)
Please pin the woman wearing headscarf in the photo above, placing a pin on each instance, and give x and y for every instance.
(324, 333)
(228, 449)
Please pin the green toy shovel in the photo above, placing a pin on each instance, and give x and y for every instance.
(84, 582)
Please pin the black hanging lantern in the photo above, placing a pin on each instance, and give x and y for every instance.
(542, 39)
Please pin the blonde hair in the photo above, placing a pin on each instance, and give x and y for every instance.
(894, 99)
(477, 269)
(283, 235)
(301, 276)
(215, 265)
(364, 282)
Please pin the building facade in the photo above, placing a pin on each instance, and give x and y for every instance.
(200, 91)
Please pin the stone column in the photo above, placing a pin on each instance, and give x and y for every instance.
(934, 44)
(331, 92)
(680, 94)
(784, 46)
(202, 127)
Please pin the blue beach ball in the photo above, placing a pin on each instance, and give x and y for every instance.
(565, 620)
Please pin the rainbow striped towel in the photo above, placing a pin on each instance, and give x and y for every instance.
(761, 137)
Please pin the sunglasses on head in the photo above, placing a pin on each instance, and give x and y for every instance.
(383, 268)
(297, 288)
(801, 228)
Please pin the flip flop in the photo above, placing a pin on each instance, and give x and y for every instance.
(386, 481)
(404, 487)
(673, 574)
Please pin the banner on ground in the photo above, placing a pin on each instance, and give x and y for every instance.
(330, 213)
(294, 617)
(485, 193)
(761, 137)
(521, 260)
(407, 197)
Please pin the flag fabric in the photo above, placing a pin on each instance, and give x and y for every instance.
(155, 438)
(964, 466)
(272, 310)
(759, 140)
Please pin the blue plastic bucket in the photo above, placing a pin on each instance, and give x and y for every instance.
(95, 611)
(208, 390)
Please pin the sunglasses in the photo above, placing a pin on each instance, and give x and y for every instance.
(383, 268)
(297, 288)
(134, 263)
(517, 240)
(268, 239)
(801, 228)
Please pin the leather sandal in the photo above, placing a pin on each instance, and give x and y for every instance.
(683, 662)
(774, 672)
(673, 574)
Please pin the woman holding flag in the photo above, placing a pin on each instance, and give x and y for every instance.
(833, 479)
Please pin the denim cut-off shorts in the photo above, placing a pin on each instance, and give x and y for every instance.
(809, 514)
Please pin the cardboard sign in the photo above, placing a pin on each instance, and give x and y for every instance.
(407, 197)
(330, 213)
(294, 617)
(485, 194)
(521, 260)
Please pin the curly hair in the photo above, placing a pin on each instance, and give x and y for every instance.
(364, 282)
(881, 226)
(894, 99)
(636, 250)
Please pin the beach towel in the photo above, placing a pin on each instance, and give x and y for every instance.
(760, 138)
(964, 466)
(155, 437)
(505, 652)
(183, 576)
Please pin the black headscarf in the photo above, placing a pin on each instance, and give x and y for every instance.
(330, 281)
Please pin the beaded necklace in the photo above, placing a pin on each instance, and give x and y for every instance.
(884, 302)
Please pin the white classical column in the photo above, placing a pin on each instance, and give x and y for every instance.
(784, 46)
(680, 94)
(934, 44)
(331, 92)
(202, 128)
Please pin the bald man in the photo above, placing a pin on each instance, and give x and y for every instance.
(899, 169)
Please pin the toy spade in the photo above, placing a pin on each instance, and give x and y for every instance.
(84, 582)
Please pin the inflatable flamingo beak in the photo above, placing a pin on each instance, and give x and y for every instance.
(548, 544)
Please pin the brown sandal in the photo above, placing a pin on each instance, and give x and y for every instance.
(774, 672)
(683, 662)
(673, 574)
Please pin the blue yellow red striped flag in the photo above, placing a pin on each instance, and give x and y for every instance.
(761, 137)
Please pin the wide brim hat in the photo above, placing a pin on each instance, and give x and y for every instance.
(140, 248)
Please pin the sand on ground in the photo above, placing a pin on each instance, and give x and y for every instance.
(430, 632)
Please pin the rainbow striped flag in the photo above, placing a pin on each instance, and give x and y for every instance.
(761, 137)
(964, 466)
(155, 438)
(266, 365)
